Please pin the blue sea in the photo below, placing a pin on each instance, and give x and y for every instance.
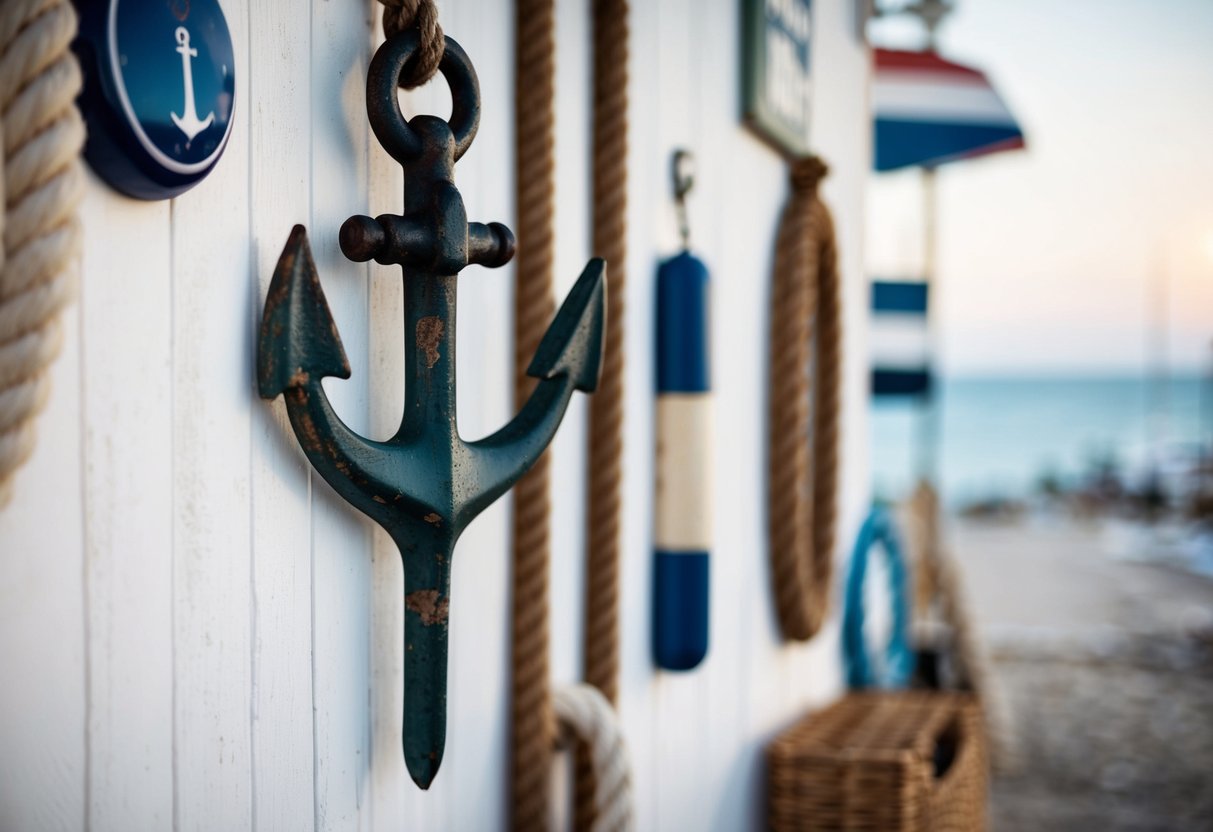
(1000, 436)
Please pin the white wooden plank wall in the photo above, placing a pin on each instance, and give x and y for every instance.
(197, 634)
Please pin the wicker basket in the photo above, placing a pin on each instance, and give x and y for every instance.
(882, 762)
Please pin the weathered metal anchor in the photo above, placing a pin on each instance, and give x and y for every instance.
(425, 484)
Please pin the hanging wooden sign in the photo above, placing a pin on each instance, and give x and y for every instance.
(776, 81)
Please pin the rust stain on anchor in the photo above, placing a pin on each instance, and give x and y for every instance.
(429, 335)
(429, 605)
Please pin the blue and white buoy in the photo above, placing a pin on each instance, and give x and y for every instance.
(684, 465)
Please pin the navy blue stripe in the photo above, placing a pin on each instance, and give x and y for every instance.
(899, 296)
(901, 144)
(887, 382)
(683, 332)
(680, 609)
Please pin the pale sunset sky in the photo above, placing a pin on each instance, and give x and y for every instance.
(1054, 259)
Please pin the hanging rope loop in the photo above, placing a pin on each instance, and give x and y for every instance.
(806, 310)
(806, 174)
(587, 715)
(422, 15)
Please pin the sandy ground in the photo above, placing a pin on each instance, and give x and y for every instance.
(1105, 670)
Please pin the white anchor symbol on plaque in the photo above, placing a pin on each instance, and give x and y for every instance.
(189, 124)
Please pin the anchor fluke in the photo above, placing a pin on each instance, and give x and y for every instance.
(572, 346)
(298, 339)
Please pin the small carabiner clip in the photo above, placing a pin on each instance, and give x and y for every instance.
(682, 170)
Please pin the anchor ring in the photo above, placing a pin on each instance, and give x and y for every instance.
(383, 106)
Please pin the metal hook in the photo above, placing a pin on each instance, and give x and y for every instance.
(682, 170)
(426, 483)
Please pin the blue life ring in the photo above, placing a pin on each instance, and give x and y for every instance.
(898, 661)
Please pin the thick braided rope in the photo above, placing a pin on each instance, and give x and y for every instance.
(923, 525)
(606, 406)
(585, 712)
(399, 15)
(41, 183)
(940, 587)
(604, 488)
(535, 165)
(802, 487)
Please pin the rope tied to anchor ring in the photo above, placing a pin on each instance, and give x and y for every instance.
(803, 478)
(41, 183)
(422, 15)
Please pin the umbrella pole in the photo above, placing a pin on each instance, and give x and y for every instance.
(930, 414)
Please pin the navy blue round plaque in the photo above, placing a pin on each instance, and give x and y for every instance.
(160, 82)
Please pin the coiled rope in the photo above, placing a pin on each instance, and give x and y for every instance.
(41, 181)
(805, 305)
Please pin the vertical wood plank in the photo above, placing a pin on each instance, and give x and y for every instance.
(715, 90)
(677, 697)
(754, 178)
(279, 197)
(212, 395)
(392, 792)
(341, 538)
(42, 626)
(568, 449)
(659, 56)
(843, 131)
(126, 313)
(479, 670)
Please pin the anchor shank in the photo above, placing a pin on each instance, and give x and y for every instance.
(427, 590)
(429, 356)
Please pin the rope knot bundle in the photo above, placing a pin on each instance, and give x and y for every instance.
(41, 185)
(806, 174)
(803, 470)
(422, 15)
(586, 714)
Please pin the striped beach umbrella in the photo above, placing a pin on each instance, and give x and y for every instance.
(929, 111)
